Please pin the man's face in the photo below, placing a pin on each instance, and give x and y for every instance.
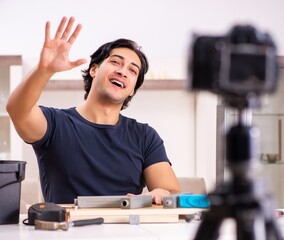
(115, 78)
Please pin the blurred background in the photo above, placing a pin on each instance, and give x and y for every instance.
(187, 121)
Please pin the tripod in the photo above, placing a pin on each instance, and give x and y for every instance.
(244, 197)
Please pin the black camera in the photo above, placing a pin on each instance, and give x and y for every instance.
(241, 64)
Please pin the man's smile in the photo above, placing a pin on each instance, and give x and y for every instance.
(118, 83)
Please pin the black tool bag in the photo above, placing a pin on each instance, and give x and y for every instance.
(11, 175)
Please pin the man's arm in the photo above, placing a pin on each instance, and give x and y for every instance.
(22, 107)
(27, 117)
(161, 181)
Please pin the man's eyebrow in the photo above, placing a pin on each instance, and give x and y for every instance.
(121, 57)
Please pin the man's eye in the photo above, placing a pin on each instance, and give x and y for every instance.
(133, 71)
(115, 62)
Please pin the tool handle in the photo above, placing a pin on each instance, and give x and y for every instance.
(86, 222)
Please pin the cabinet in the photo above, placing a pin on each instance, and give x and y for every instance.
(10, 76)
(269, 119)
(271, 132)
(271, 143)
(271, 149)
(271, 157)
(274, 177)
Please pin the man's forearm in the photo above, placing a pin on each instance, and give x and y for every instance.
(27, 93)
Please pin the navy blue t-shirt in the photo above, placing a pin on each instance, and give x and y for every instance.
(79, 158)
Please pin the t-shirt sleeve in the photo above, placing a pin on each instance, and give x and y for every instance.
(154, 148)
(49, 114)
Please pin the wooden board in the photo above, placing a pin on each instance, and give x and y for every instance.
(154, 214)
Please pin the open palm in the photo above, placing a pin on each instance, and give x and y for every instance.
(55, 52)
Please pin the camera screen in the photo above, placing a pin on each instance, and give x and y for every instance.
(247, 69)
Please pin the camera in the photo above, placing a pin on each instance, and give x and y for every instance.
(238, 65)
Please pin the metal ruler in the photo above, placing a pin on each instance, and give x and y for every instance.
(124, 202)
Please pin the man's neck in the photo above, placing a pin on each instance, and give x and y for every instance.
(99, 114)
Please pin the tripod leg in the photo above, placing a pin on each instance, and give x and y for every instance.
(209, 226)
(273, 231)
(250, 224)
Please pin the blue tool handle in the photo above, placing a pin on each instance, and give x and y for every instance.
(194, 201)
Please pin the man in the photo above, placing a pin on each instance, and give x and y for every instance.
(91, 149)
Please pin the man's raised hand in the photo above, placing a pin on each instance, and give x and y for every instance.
(55, 52)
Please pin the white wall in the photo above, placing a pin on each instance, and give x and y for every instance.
(164, 29)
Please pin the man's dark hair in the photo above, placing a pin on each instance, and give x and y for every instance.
(103, 52)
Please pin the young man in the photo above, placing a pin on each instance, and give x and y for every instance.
(91, 149)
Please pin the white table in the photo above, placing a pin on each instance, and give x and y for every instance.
(165, 231)
(105, 231)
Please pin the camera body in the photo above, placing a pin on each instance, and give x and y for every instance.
(239, 65)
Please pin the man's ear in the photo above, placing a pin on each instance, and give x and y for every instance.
(93, 70)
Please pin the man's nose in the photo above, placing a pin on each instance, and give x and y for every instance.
(122, 71)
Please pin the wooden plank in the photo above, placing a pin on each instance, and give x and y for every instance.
(154, 214)
(155, 218)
